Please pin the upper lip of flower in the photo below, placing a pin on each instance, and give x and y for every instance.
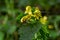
(28, 10)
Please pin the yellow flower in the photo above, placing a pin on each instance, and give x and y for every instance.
(37, 10)
(27, 17)
(28, 10)
(50, 26)
(37, 13)
(43, 20)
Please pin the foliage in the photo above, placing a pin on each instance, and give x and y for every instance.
(15, 24)
(31, 24)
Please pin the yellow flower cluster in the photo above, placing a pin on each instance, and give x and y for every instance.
(43, 20)
(28, 11)
(29, 14)
(36, 14)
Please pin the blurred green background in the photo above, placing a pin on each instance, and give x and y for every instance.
(10, 9)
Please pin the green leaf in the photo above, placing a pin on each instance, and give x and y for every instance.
(53, 34)
(11, 29)
(1, 36)
(27, 32)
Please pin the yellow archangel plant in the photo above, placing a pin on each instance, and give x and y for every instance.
(36, 14)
